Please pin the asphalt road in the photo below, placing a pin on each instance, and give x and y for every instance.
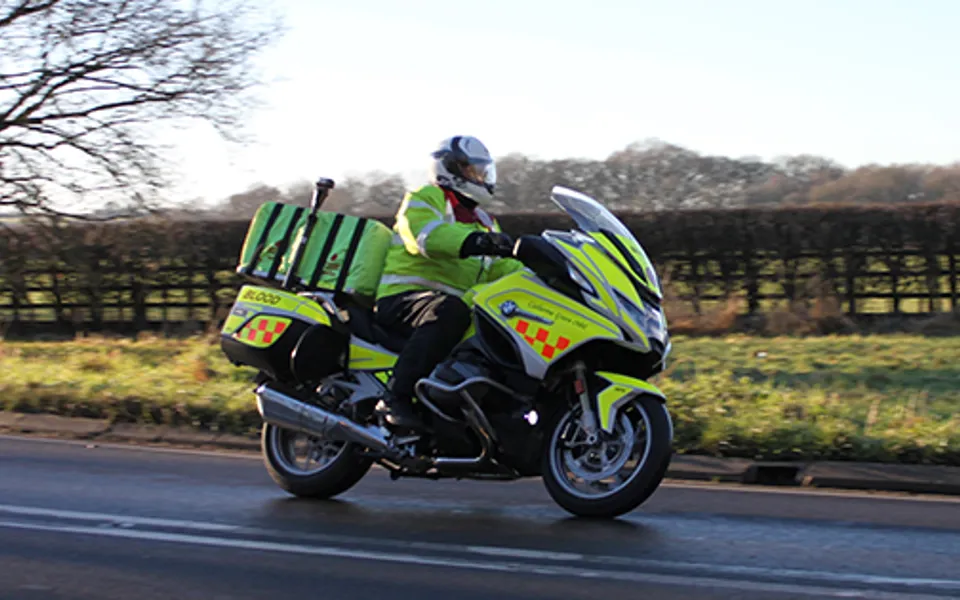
(122, 523)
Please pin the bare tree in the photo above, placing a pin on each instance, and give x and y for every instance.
(82, 82)
(873, 184)
(299, 193)
(376, 192)
(244, 204)
(942, 184)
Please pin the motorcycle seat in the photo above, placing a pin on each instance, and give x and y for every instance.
(363, 324)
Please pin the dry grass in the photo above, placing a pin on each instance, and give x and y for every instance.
(684, 319)
(816, 311)
(819, 316)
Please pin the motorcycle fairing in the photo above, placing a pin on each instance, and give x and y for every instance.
(543, 324)
(365, 356)
(261, 309)
(621, 390)
(616, 276)
(261, 315)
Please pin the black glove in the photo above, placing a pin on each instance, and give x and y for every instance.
(487, 244)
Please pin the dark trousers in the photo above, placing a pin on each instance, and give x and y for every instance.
(433, 323)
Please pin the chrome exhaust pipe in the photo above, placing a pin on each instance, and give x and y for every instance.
(285, 411)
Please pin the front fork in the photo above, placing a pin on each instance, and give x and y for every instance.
(588, 418)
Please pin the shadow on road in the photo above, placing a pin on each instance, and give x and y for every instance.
(415, 520)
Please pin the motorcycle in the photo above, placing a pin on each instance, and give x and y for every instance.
(550, 381)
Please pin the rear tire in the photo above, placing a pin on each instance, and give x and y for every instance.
(343, 469)
(560, 466)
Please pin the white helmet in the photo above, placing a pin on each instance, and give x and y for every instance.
(463, 164)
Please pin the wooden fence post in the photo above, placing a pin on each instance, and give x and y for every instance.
(752, 274)
(86, 269)
(953, 281)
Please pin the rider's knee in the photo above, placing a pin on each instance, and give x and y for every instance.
(454, 311)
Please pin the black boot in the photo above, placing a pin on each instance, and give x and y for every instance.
(399, 412)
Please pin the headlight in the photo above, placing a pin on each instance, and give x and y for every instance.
(649, 318)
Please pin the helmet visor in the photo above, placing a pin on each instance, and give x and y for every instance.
(480, 172)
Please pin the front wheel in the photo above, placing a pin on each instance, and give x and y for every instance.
(325, 469)
(618, 472)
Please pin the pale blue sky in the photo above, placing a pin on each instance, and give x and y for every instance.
(374, 84)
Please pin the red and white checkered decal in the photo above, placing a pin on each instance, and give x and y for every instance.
(262, 330)
(540, 340)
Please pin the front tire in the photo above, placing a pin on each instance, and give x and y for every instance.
(338, 466)
(616, 474)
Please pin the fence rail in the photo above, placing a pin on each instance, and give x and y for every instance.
(873, 261)
(167, 298)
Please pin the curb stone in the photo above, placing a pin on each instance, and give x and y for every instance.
(96, 430)
(76, 427)
(917, 479)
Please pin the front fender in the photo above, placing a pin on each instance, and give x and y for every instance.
(621, 390)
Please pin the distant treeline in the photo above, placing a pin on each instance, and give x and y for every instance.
(653, 176)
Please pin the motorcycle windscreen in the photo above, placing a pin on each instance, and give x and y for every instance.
(594, 218)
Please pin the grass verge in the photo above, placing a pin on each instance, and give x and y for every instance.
(891, 398)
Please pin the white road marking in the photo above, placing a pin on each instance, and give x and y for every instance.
(118, 519)
(821, 577)
(521, 553)
(429, 561)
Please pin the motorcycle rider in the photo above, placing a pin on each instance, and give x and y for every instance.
(444, 244)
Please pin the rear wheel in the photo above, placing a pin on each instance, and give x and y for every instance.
(311, 467)
(616, 473)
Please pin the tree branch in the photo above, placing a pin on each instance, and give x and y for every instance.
(92, 76)
(25, 9)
